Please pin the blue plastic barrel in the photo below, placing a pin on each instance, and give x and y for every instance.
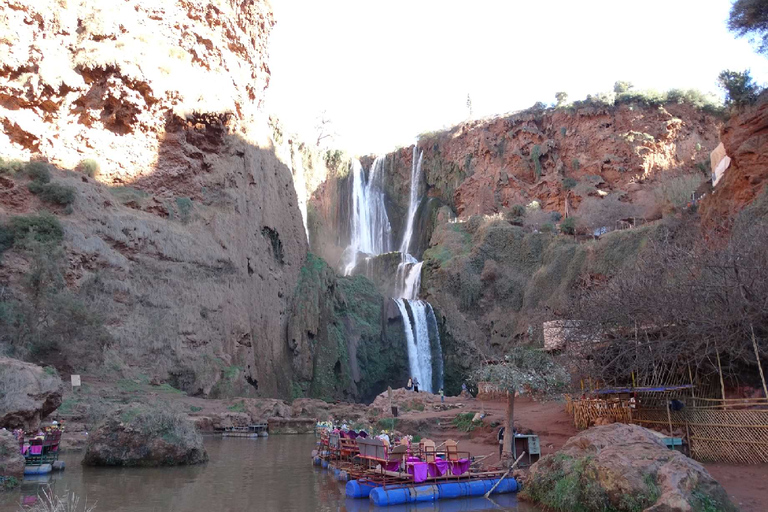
(324, 463)
(355, 489)
(384, 497)
(475, 488)
(342, 476)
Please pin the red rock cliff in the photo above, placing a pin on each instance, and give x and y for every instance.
(193, 261)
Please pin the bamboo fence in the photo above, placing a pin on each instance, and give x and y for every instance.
(734, 430)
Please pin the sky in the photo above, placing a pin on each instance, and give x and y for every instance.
(385, 71)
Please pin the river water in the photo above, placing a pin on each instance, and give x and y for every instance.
(272, 474)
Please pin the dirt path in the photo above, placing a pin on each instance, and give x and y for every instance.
(746, 485)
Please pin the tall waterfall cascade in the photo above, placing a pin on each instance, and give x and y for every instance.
(370, 230)
(371, 234)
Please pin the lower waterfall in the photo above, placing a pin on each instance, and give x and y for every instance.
(417, 334)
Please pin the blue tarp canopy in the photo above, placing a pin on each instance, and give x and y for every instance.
(648, 389)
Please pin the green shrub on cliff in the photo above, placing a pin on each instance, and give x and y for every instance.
(53, 193)
(38, 171)
(10, 167)
(568, 226)
(89, 167)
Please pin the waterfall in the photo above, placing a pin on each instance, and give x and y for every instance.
(413, 358)
(300, 184)
(417, 337)
(413, 204)
(409, 278)
(438, 347)
(371, 232)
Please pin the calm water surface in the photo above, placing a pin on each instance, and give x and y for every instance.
(267, 474)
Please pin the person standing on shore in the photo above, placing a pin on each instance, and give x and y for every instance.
(442, 396)
(416, 385)
(409, 384)
(500, 437)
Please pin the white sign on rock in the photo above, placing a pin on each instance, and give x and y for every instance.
(75, 381)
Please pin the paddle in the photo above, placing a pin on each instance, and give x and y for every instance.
(505, 475)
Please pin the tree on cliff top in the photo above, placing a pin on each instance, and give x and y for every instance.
(749, 18)
(524, 370)
(739, 87)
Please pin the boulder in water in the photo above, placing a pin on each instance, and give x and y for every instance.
(623, 468)
(142, 435)
(28, 393)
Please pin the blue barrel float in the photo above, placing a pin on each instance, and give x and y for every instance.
(355, 489)
(422, 493)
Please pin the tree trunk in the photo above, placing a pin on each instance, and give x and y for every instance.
(509, 423)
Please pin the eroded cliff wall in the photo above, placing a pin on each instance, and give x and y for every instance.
(189, 242)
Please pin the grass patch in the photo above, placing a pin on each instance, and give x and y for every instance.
(238, 407)
(463, 422)
(89, 167)
(388, 424)
(195, 408)
(167, 388)
(53, 193)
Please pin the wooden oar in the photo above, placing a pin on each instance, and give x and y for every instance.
(505, 475)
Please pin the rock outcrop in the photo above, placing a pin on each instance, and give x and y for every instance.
(11, 461)
(190, 237)
(624, 468)
(140, 435)
(746, 143)
(28, 393)
(557, 157)
(345, 343)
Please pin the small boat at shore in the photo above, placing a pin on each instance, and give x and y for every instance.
(408, 472)
(40, 450)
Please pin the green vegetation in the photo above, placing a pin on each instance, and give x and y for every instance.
(568, 226)
(89, 167)
(740, 88)
(160, 420)
(129, 196)
(10, 167)
(195, 408)
(749, 18)
(39, 172)
(43, 316)
(184, 207)
(237, 407)
(570, 485)
(562, 99)
(575, 165)
(8, 482)
(569, 183)
(535, 155)
(388, 424)
(463, 422)
(53, 193)
(43, 228)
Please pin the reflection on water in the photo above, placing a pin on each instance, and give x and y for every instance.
(264, 474)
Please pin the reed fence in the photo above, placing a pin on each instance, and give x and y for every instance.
(734, 430)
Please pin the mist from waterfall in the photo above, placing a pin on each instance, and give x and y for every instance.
(370, 230)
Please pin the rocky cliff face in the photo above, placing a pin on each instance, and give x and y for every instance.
(189, 240)
(346, 338)
(557, 157)
(746, 143)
